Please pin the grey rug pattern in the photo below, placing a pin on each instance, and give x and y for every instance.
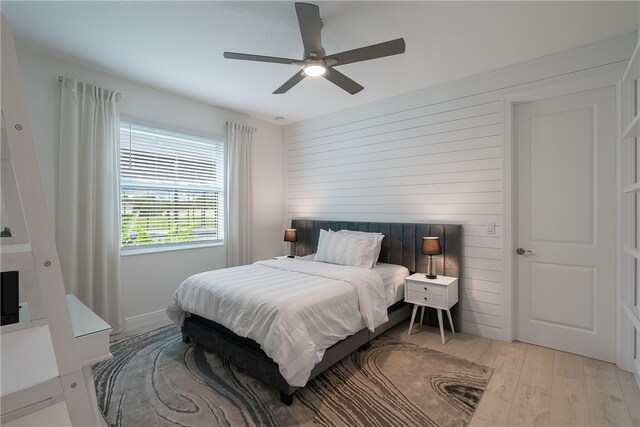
(154, 379)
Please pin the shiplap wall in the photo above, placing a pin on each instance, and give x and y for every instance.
(434, 156)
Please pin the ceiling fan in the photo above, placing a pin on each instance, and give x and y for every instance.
(316, 62)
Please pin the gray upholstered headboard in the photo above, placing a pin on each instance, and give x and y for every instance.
(401, 245)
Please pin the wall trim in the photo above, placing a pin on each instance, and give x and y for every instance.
(482, 331)
(146, 319)
(608, 79)
(583, 58)
(509, 227)
(621, 361)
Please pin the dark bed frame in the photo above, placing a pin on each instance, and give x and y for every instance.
(401, 245)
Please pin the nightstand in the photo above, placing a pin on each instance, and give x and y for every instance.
(440, 293)
(281, 257)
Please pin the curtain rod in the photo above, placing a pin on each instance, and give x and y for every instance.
(254, 129)
(60, 79)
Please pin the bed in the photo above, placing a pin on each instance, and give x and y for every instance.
(399, 247)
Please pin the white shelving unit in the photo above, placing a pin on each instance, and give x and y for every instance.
(630, 218)
(46, 378)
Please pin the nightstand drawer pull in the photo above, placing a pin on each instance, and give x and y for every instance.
(429, 289)
(426, 299)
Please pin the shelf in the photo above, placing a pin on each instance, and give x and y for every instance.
(31, 349)
(16, 257)
(16, 248)
(84, 321)
(22, 324)
(90, 331)
(5, 241)
(17, 405)
(633, 69)
(633, 130)
(633, 188)
(56, 414)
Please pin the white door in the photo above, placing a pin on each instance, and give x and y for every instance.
(566, 216)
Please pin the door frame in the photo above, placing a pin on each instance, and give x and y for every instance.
(510, 276)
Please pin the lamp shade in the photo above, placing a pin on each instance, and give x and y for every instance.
(290, 235)
(431, 246)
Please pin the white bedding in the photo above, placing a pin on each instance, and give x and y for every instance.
(393, 276)
(294, 309)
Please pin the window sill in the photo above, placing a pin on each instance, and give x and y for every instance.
(155, 249)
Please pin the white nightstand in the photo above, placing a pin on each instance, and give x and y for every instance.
(281, 257)
(440, 293)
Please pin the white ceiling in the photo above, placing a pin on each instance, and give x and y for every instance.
(178, 46)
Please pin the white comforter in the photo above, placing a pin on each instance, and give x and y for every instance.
(294, 309)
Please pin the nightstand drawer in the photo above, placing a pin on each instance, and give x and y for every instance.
(423, 298)
(427, 288)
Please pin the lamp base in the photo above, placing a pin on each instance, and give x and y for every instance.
(291, 256)
(431, 276)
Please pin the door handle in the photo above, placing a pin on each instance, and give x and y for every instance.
(521, 251)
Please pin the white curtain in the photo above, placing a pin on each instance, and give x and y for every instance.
(239, 165)
(88, 214)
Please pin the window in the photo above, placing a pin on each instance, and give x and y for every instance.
(171, 188)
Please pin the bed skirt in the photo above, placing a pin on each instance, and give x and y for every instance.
(247, 354)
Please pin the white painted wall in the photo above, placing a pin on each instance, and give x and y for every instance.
(148, 280)
(437, 156)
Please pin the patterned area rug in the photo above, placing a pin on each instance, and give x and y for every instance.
(154, 379)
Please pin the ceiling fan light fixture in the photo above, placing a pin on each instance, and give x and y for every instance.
(315, 69)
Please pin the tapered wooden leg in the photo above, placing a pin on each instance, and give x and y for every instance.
(422, 314)
(450, 321)
(413, 317)
(440, 323)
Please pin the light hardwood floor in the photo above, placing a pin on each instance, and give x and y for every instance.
(538, 386)
(130, 332)
(531, 385)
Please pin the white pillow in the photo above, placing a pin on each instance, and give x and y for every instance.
(374, 242)
(343, 249)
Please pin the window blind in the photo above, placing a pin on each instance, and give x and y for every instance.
(171, 187)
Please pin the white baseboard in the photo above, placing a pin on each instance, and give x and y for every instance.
(142, 320)
(482, 330)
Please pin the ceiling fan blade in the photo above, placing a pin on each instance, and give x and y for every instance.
(380, 50)
(260, 58)
(342, 81)
(297, 78)
(310, 26)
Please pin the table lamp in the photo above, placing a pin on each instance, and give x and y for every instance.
(431, 247)
(290, 235)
